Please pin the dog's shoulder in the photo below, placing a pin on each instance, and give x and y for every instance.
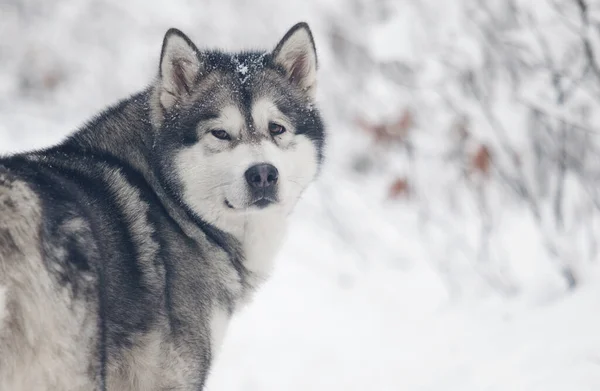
(20, 212)
(32, 301)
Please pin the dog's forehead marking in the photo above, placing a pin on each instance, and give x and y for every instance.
(246, 66)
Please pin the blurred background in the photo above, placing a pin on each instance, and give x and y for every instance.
(452, 240)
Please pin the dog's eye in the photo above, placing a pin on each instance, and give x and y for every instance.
(276, 129)
(221, 134)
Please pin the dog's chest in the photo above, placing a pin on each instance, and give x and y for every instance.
(261, 241)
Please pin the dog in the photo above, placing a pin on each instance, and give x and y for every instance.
(126, 248)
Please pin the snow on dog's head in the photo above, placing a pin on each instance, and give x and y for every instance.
(238, 133)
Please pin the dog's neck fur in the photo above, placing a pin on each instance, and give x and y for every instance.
(259, 234)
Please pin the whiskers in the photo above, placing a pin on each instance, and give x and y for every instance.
(297, 181)
(209, 192)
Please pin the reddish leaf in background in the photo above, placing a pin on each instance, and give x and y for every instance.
(401, 127)
(389, 132)
(399, 189)
(482, 160)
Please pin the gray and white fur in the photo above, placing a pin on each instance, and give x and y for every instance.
(125, 250)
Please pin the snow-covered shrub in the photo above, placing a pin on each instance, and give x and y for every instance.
(502, 150)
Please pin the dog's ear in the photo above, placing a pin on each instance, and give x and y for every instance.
(179, 67)
(297, 55)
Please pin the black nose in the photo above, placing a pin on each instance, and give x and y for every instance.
(262, 176)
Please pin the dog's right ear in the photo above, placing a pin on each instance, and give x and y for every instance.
(179, 67)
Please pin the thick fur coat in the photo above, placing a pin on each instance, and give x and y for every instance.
(125, 250)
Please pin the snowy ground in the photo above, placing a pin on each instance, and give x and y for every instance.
(326, 321)
(356, 302)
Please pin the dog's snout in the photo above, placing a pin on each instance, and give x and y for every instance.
(262, 176)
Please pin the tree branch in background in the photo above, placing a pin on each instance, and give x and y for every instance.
(587, 45)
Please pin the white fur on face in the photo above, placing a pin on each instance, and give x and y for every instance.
(213, 173)
(230, 120)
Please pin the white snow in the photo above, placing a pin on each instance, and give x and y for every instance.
(243, 69)
(368, 293)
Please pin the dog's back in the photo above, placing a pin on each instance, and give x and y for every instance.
(41, 327)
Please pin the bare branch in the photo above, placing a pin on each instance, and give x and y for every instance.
(587, 45)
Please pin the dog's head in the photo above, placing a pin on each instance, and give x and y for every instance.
(237, 133)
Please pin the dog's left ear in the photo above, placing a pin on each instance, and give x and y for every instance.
(297, 55)
(179, 67)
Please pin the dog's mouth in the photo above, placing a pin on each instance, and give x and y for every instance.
(263, 202)
(260, 203)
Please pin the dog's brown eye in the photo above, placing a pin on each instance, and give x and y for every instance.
(221, 134)
(276, 129)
